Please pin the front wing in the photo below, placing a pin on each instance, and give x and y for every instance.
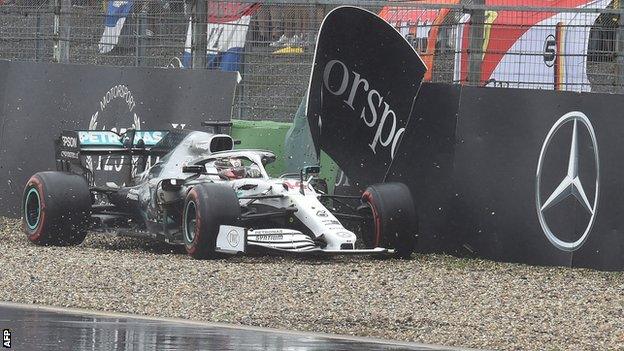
(233, 240)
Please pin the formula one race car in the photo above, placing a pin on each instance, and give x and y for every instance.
(202, 194)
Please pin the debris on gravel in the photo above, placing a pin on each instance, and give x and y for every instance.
(431, 299)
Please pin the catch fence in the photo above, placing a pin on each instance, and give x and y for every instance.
(540, 44)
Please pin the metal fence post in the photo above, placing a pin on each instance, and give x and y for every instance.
(38, 39)
(199, 39)
(619, 48)
(475, 54)
(61, 30)
(141, 34)
(241, 87)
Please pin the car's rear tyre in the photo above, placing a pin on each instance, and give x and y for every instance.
(207, 206)
(394, 220)
(56, 208)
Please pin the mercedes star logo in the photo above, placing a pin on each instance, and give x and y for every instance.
(571, 184)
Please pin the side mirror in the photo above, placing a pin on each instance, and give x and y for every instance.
(305, 173)
(198, 169)
(311, 171)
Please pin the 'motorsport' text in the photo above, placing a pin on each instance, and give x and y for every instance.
(350, 84)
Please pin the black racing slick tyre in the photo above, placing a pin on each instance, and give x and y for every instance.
(207, 206)
(56, 208)
(395, 222)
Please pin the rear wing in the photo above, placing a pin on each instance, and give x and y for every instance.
(217, 125)
(73, 147)
(73, 144)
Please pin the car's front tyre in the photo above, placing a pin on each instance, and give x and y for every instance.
(394, 220)
(206, 207)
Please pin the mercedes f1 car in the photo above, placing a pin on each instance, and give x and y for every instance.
(191, 188)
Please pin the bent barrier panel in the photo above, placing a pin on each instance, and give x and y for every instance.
(39, 100)
(470, 157)
(375, 81)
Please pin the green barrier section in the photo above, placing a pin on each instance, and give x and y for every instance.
(329, 169)
(268, 135)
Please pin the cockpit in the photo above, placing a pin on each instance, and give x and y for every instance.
(234, 167)
(238, 164)
(215, 153)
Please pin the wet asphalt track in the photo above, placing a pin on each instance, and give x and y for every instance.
(37, 328)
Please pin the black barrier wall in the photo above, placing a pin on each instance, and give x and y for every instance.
(475, 160)
(38, 101)
(539, 176)
(425, 160)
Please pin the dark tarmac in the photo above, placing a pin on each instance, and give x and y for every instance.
(35, 328)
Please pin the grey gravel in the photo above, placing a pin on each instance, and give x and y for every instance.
(431, 299)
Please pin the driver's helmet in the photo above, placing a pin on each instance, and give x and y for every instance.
(229, 162)
(230, 168)
(236, 162)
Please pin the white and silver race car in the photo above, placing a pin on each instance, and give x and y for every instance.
(214, 200)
